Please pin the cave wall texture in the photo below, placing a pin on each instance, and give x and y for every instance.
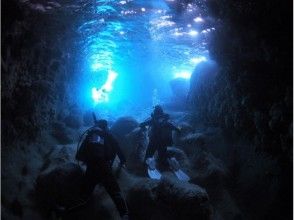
(252, 94)
(251, 99)
(37, 65)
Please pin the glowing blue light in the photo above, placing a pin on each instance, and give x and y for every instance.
(178, 33)
(198, 19)
(193, 33)
(110, 79)
(102, 94)
(96, 66)
(183, 74)
(197, 60)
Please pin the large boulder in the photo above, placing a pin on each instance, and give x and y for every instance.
(202, 80)
(124, 126)
(62, 133)
(167, 199)
(192, 142)
(73, 121)
(180, 155)
(88, 118)
(60, 187)
(180, 88)
(138, 144)
(59, 190)
(208, 170)
(120, 129)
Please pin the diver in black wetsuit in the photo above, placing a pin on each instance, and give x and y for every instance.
(98, 151)
(160, 135)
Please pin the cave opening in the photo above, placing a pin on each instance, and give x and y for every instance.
(135, 54)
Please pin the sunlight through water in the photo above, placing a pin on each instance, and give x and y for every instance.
(141, 45)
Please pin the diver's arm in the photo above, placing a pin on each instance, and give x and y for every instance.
(145, 123)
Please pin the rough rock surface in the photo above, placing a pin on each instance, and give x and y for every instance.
(62, 133)
(60, 186)
(168, 199)
(180, 155)
(251, 94)
(138, 145)
(192, 142)
(209, 171)
(120, 129)
(37, 67)
(124, 126)
(180, 89)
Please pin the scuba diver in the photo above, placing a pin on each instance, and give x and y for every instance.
(98, 151)
(160, 138)
(160, 134)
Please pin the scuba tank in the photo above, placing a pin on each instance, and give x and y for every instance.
(90, 144)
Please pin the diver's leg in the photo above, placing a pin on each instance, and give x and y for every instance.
(89, 183)
(162, 156)
(109, 182)
(150, 150)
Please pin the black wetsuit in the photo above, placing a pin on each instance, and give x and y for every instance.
(101, 149)
(160, 137)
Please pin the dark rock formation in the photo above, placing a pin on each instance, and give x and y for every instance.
(35, 63)
(17, 208)
(254, 80)
(124, 126)
(250, 99)
(62, 133)
(180, 155)
(88, 118)
(168, 199)
(73, 121)
(120, 129)
(202, 83)
(191, 142)
(180, 88)
(138, 145)
(60, 186)
(208, 171)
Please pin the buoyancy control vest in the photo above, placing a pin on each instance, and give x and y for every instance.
(161, 131)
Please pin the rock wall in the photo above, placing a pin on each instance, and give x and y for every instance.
(250, 99)
(37, 66)
(37, 71)
(251, 95)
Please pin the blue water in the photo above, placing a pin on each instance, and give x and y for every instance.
(132, 49)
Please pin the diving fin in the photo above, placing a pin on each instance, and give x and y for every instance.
(153, 173)
(175, 167)
(182, 176)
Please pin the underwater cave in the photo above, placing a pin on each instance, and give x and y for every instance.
(146, 109)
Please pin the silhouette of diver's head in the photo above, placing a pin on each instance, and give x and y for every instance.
(102, 124)
(158, 110)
